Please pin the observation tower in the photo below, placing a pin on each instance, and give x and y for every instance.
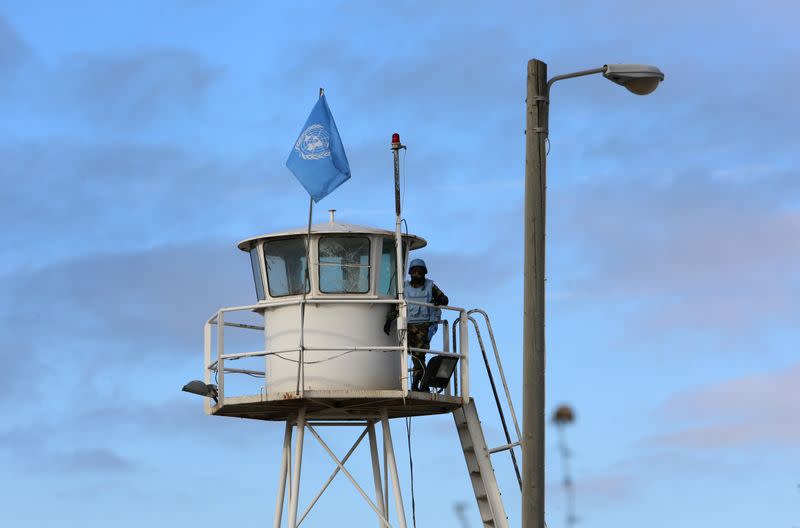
(323, 293)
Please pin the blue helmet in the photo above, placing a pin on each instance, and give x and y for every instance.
(417, 263)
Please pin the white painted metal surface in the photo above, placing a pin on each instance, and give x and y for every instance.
(342, 354)
(332, 362)
(294, 497)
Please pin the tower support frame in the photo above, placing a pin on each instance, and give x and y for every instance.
(289, 474)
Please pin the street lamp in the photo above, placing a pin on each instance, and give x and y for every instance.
(639, 79)
(202, 389)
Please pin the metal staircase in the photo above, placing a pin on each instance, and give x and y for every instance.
(481, 472)
(477, 454)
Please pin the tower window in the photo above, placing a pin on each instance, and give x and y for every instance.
(344, 264)
(286, 266)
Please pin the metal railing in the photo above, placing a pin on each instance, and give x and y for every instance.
(215, 357)
(510, 445)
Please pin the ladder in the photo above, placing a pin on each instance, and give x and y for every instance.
(473, 443)
(481, 472)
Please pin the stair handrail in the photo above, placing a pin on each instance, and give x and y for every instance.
(510, 445)
(500, 369)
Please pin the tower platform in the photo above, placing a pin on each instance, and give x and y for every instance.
(334, 405)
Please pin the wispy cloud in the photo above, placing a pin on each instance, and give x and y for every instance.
(89, 461)
(134, 89)
(13, 49)
(110, 298)
(759, 410)
(36, 453)
(697, 251)
(123, 195)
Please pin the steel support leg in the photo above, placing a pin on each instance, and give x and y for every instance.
(385, 481)
(392, 468)
(285, 464)
(298, 460)
(376, 472)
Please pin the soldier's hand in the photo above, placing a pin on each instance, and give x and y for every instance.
(387, 327)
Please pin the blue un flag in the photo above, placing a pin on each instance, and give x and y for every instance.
(317, 159)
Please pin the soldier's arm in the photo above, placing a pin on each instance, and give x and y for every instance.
(438, 297)
(390, 316)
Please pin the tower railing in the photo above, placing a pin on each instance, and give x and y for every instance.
(216, 357)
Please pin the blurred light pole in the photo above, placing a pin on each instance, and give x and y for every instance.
(562, 417)
(460, 509)
(639, 79)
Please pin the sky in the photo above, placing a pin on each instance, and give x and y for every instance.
(141, 140)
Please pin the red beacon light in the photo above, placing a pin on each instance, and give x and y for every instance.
(395, 138)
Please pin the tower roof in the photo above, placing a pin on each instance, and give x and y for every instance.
(331, 228)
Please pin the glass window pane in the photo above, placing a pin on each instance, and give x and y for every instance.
(344, 264)
(286, 266)
(387, 280)
(256, 265)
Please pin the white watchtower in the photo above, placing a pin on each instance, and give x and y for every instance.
(324, 294)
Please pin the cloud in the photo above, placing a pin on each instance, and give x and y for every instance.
(122, 195)
(759, 410)
(593, 491)
(119, 437)
(171, 419)
(120, 325)
(152, 298)
(135, 89)
(698, 250)
(36, 452)
(737, 435)
(429, 88)
(670, 463)
(13, 50)
(20, 358)
(99, 460)
(124, 92)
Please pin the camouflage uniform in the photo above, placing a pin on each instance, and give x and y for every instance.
(419, 337)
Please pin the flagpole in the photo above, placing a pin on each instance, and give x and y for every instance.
(301, 368)
(398, 244)
(319, 163)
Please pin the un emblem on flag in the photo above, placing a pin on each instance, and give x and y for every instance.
(313, 143)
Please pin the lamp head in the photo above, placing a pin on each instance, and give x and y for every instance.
(563, 415)
(640, 79)
(202, 389)
(438, 372)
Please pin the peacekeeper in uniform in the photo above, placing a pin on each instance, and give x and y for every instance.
(421, 319)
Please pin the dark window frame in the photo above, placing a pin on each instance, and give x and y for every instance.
(258, 273)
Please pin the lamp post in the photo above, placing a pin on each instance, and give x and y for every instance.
(639, 79)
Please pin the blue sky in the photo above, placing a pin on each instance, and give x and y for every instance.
(141, 140)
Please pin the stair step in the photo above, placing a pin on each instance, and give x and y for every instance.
(479, 466)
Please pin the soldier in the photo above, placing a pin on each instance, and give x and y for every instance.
(421, 319)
